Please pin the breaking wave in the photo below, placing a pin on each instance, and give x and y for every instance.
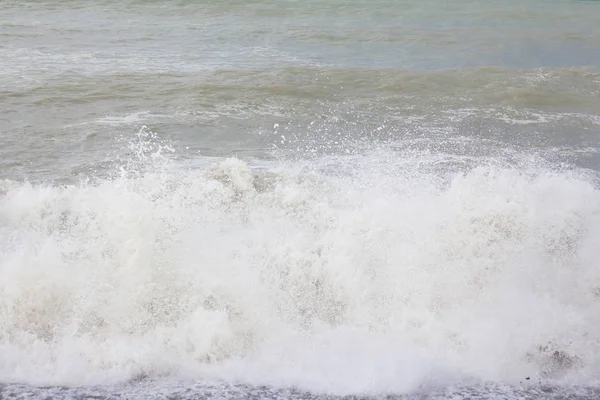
(370, 272)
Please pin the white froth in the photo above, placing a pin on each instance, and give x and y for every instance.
(372, 281)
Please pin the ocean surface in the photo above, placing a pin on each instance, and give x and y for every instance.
(279, 199)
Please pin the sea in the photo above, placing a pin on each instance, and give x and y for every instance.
(299, 199)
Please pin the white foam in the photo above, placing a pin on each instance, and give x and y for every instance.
(371, 280)
(129, 119)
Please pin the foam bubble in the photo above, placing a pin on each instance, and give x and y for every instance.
(376, 278)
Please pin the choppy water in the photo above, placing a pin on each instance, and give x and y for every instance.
(281, 199)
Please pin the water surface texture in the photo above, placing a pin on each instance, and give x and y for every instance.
(300, 199)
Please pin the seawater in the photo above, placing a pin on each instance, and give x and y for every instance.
(279, 199)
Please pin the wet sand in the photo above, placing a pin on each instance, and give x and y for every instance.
(176, 391)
